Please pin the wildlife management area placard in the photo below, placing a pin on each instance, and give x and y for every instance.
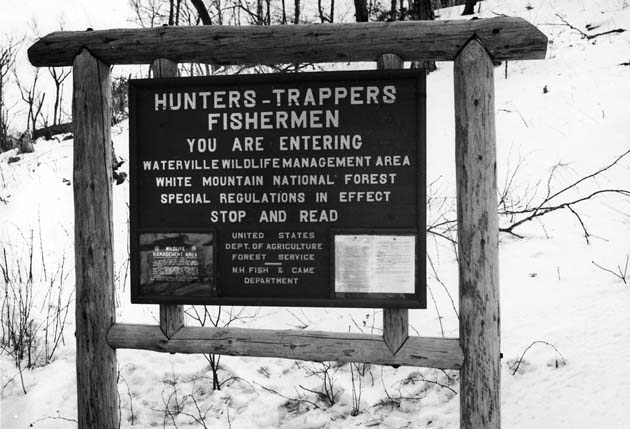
(289, 190)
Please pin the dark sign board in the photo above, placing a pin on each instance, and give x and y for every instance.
(287, 189)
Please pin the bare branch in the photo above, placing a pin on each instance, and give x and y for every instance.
(437, 278)
(300, 399)
(586, 234)
(585, 35)
(412, 379)
(202, 11)
(622, 273)
(544, 206)
(590, 176)
(52, 418)
(520, 360)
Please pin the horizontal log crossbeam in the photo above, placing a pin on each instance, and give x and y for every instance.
(505, 38)
(443, 353)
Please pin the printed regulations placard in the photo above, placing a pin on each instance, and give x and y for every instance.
(288, 189)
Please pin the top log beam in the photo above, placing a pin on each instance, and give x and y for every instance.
(505, 38)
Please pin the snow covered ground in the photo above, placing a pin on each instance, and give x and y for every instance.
(570, 109)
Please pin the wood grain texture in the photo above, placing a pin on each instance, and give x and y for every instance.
(171, 316)
(395, 327)
(163, 67)
(505, 38)
(478, 238)
(97, 393)
(389, 61)
(444, 353)
(395, 320)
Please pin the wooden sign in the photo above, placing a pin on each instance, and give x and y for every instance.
(290, 190)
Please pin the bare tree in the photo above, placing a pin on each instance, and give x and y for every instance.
(284, 12)
(59, 75)
(296, 17)
(421, 10)
(8, 52)
(149, 13)
(171, 12)
(469, 8)
(177, 11)
(322, 14)
(224, 12)
(152, 13)
(34, 99)
(202, 11)
(360, 10)
(260, 18)
(221, 318)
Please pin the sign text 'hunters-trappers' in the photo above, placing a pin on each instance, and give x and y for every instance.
(302, 189)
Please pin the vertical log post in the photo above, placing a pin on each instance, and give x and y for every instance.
(395, 320)
(478, 234)
(171, 316)
(97, 393)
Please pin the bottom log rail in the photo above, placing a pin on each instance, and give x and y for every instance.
(441, 353)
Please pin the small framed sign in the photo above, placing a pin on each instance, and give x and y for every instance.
(287, 190)
(372, 264)
(177, 264)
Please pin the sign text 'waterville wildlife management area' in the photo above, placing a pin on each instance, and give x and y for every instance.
(304, 189)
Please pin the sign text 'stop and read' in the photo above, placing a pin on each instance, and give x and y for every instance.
(279, 189)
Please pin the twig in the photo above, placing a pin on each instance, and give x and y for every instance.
(621, 275)
(446, 374)
(586, 234)
(52, 418)
(412, 379)
(236, 378)
(589, 36)
(201, 417)
(431, 230)
(298, 400)
(541, 211)
(519, 114)
(437, 278)
(520, 360)
(227, 413)
(590, 176)
(323, 371)
(385, 388)
(357, 387)
(437, 309)
(572, 27)
(545, 207)
(133, 416)
(10, 380)
(615, 31)
(302, 325)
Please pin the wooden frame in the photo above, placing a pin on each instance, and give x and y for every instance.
(473, 45)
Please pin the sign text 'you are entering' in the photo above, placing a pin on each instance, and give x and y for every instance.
(304, 189)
